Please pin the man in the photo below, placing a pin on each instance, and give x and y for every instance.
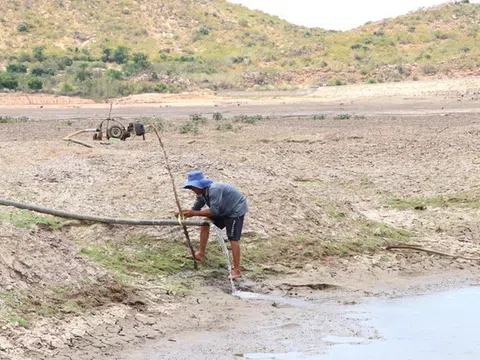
(227, 207)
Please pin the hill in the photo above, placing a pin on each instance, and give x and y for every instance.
(102, 49)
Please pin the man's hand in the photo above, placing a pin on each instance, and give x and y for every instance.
(188, 213)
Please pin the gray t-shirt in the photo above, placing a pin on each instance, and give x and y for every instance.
(223, 200)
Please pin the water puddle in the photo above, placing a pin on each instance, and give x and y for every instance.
(440, 326)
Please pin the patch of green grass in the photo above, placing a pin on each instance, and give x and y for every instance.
(26, 220)
(334, 212)
(468, 200)
(19, 320)
(142, 255)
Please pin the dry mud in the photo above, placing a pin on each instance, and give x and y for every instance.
(308, 182)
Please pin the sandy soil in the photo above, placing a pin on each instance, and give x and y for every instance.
(315, 187)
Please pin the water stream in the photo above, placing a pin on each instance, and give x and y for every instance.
(221, 240)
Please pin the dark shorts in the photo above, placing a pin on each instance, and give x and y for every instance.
(234, 226)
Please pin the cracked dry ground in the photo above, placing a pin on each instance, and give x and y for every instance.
(325, 197)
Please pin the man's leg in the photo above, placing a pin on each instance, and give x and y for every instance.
(234, 233)
(236, 259)
(204, 234)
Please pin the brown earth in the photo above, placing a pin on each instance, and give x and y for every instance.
(322, 201)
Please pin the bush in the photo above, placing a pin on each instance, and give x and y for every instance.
(225, 127)
(67, 88)
(17, 68)
(114, 74)
(319, 117)
(35, 84)
(24, 57)
(83, 75)
(334, 82)
(39, 53)
(342, 117)
(23, 27)
(120, 55)
(140, 60)
(8, 81)
(64, 62)
(198, 119)
(161, 87)
(371, 81)
(247, 119)
(151, 122)
(217, 116)
(189, 127)
(429, 69)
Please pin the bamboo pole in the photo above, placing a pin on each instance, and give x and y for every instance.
(69, 137)
(177, 200)
(102, 219)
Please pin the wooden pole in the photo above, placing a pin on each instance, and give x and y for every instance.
(177, 200)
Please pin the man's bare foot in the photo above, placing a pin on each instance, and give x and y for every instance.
(200, 256)
(236, 274)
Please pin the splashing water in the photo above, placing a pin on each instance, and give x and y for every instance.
(221, 241)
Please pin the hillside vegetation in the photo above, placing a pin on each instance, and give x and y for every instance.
(103, 49)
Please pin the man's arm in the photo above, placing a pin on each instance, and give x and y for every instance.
(199, 204)
(204, 213)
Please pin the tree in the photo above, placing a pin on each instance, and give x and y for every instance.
(140, 60)
(8, 81)
(120, 55)
(16, 68)
(38, 53)
(35, 84)
(83, 75)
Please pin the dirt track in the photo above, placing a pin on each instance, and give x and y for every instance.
(317, 189)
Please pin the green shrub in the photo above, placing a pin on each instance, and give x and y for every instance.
(225, 127)
(247, 119)
(335, 82)
(120, 55)
(24, 57)
(151, 122)
(114, 74)
(35, 84)
(189, 127)
(67, 88)
(198, 119)
(140, 60)
(83, 75)
(39, 53)
(319, 117)
(342, 117)
(217, 116)
(17, 68)
(371, 81)
(161, 87)
(23, 27)
(8, 81)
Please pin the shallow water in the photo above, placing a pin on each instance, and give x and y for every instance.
(442, 326)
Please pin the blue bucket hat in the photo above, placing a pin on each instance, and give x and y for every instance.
(197, 180)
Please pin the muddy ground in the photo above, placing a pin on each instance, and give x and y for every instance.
(326, 195)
